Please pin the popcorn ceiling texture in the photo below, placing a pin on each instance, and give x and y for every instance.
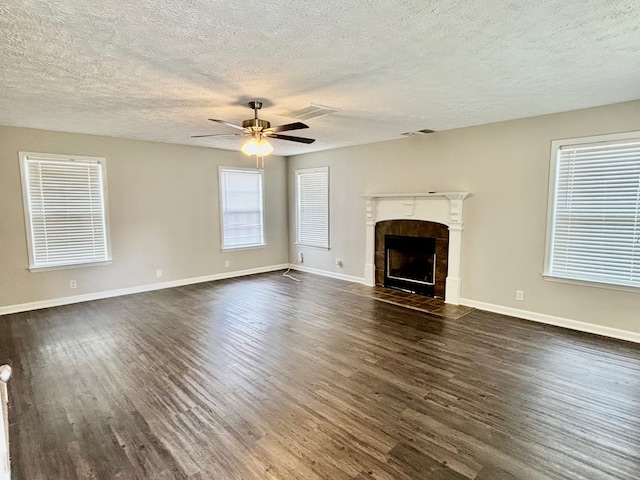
(156, 70)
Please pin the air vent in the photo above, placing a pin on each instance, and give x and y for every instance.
(312, 111)
(424, 131)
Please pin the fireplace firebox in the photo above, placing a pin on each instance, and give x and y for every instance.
(410, 263)
(415, 252)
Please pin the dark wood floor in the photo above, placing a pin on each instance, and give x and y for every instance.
(264, 378)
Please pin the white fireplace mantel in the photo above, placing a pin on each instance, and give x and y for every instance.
(440, 207)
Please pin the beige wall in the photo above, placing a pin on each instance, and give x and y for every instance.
(170, 219)
(505, 166)
(163, 208)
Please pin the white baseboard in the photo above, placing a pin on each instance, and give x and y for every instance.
(557, 321)
(326, 273)
(56, 302)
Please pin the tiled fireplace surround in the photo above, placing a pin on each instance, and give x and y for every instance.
(414, 228)
(438, 207)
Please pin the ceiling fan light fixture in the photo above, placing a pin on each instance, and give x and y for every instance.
(264, 148)
(250, 147)
(257, 146)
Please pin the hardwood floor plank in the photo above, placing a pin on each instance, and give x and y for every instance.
(264, 378)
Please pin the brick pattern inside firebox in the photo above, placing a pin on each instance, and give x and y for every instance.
(415, 228)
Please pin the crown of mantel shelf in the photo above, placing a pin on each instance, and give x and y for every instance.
(449, 195)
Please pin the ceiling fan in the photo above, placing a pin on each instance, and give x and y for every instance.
(260, 130)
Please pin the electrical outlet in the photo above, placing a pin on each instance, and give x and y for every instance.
(158, 273)
(300, 257)
(339, 263)
(72, 284)
(520, 295)
(226, 264)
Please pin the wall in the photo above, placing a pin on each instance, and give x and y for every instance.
(505, 166)
(164, 214)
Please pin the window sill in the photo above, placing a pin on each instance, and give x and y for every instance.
(67, 267)
(318, 247)
(243, 247)
(585, 283)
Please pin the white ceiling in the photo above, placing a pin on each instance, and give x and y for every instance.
(156, 70)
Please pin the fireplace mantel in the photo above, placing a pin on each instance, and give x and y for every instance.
(440, 207)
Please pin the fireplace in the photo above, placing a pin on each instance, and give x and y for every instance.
(412, 255)
(410, 263)
(444, 209)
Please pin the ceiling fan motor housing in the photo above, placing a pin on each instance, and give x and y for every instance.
(256, 124)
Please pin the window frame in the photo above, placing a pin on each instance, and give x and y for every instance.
(298, 172)
(254, 171)
(556, 146)
(24, 157)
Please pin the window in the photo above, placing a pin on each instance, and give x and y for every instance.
(65, 210)
(594, 210)
(242, 208)
(312, 207)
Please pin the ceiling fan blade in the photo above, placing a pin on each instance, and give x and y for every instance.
(228, 124)
(289, 126)
(292, 139)
(218, 135)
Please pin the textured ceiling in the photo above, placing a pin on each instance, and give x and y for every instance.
(156, 70)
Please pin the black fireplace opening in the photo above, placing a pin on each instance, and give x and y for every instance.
(410, 264)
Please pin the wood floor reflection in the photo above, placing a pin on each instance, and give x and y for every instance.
(264, 378)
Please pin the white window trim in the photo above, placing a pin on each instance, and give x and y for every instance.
(23, 157)
(297, 199)
(551, 207)
(221, 202)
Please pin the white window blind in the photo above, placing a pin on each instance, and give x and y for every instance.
(64, 210)
(595, 234)
(312, 192)
(242, 208)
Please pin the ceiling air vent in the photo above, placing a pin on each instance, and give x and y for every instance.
(424, 131)
(312, 111)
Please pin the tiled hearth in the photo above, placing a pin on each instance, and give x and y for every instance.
(432, 306)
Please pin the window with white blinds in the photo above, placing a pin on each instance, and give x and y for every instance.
(65, 210)
(242, 208)
(594, 231)
(312, 200)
